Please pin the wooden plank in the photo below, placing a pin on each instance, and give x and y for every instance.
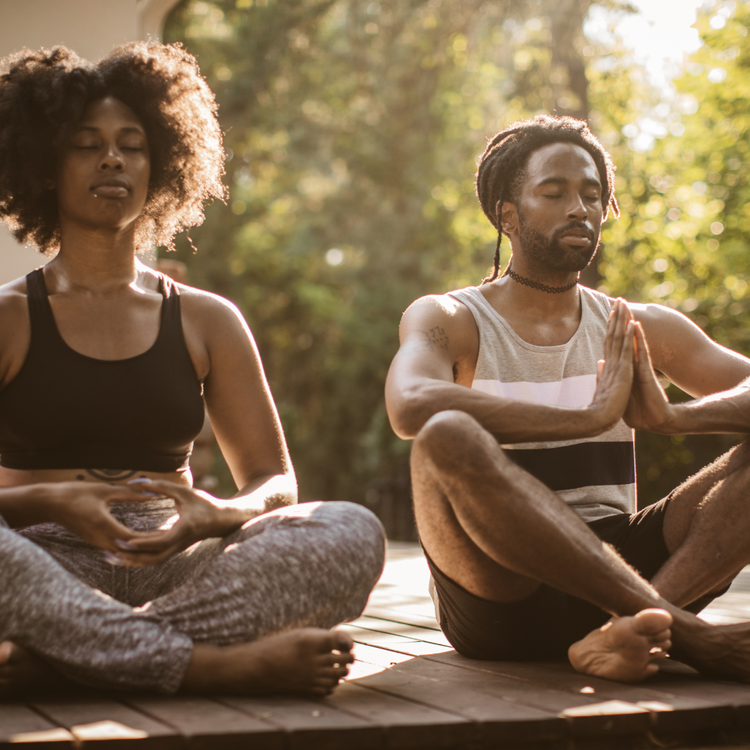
(205, 724)
(106, 723)
(20, 725)
(733, 695)
(585, 715)
(418, 615)
(394, 642)
(406, 724)
(456, 691)
(686, 710)
(312, 724)
(405, 629)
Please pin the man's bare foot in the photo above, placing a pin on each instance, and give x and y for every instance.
(720, 651)
(625, 649)
(22, 672)
(309, 661)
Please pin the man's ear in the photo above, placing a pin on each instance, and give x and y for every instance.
(509, 218)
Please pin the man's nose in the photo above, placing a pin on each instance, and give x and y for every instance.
(577, 208)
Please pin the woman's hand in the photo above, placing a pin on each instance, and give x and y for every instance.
(199, 516)
(84, 509)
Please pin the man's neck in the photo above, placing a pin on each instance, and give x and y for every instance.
(538, 317)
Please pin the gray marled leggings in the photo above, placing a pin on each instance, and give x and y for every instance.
(312, 564)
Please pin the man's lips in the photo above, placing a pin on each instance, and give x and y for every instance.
(579, 240)
(578, 237)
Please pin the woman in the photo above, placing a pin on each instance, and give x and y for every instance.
(104, 369)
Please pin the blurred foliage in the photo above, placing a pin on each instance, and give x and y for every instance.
(353, 128)
(681, 239)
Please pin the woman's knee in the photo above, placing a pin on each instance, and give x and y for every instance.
(356, 533)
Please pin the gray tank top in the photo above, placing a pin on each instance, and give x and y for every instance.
(595, 476)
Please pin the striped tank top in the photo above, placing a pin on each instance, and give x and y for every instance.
(595, 476)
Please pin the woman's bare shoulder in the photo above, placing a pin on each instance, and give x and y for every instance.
(13, 303)
(15, 328)
(208, 307)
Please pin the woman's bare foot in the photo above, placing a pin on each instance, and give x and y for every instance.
(625, 649)
(309, 661)
(22, 672)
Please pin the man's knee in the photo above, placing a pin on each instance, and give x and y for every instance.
(452, 438)
(742, 451)
(445, 429)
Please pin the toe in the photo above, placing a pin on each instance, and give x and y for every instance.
(652, 622)
(342, 641)
(6, 651)
(328, 660)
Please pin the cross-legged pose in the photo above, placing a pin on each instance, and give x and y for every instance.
(520, 395)
(114, 572)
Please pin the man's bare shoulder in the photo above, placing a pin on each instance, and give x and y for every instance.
(681, 350)
(437, 308)
(440, 321)
(664, 323)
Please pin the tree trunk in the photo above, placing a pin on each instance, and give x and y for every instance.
(568, 78)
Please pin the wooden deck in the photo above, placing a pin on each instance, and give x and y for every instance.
(409, 689)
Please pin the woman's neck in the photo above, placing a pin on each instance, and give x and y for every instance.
(94, 261)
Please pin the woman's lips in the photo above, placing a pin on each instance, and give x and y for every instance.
(110, 191)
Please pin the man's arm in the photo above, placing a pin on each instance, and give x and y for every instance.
(696, 365)
(685, 355)
(438, 336)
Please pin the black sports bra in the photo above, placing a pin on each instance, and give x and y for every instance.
(65, 410)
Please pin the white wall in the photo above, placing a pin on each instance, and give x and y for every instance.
(91, 28)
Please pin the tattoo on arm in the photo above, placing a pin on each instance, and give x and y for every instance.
(425, 341)
(437, 336)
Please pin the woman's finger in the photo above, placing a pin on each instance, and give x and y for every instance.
(152, 542)
(166, 489)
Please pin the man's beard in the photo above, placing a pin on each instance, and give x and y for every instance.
(548, 251)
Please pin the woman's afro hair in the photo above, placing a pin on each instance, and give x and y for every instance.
(43, 96)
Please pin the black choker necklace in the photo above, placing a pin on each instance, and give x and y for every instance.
(541, 287)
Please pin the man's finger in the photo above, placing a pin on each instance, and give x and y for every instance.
(629, 340)
(644, 356)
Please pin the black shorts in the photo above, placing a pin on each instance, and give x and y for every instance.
(549, 621)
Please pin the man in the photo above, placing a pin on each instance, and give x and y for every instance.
(520, 396)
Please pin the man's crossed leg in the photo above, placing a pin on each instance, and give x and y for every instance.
(513, 547)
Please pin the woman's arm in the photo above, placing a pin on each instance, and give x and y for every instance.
(82, 507)
(247, 428)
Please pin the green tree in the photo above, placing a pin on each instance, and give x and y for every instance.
(352, 129)
(680, 240)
